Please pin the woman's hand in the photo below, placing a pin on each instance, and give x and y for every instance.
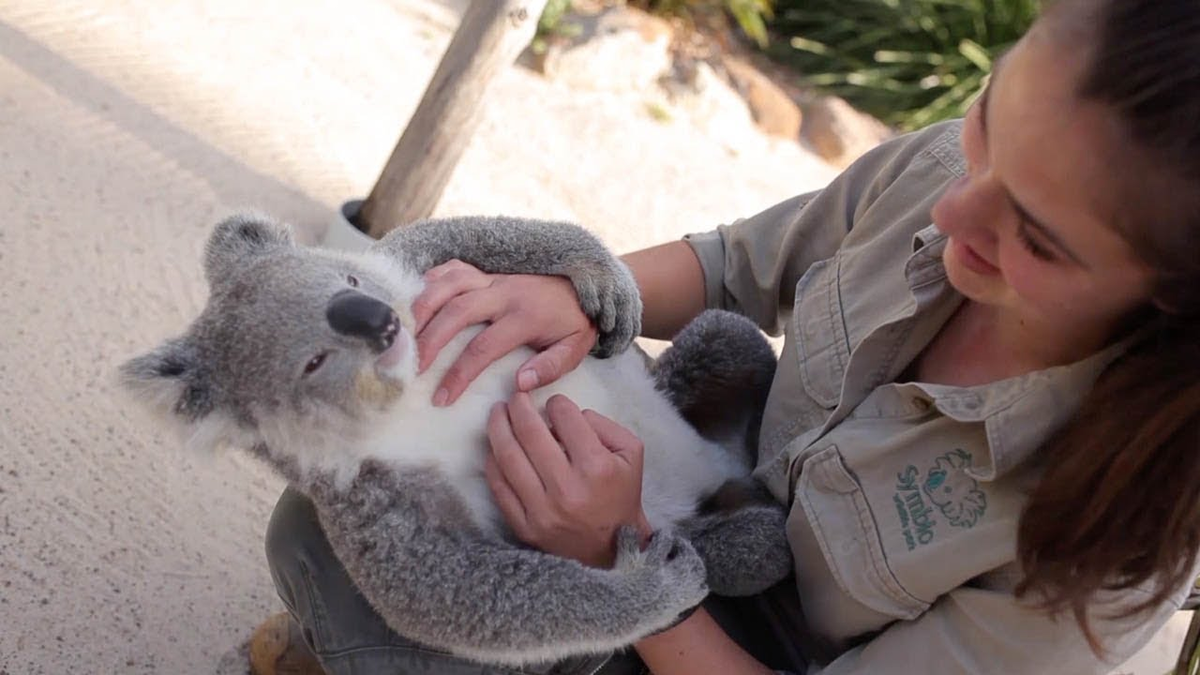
(567, 487)
(539, 311)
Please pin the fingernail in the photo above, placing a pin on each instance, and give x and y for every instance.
(440, 398)
(527, 379)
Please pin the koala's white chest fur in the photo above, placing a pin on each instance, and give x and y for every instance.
(680, 467)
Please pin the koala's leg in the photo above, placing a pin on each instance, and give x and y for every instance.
(434, 578)
(607, 292)
(717, 373)
(745, 551)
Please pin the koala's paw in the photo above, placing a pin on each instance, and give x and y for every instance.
(745, 551)
(669, 564)
(717, 370)
(609, 297)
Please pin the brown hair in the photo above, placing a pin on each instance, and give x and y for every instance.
(1118, 503)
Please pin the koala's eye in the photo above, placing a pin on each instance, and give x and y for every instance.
(352, 280)
(315, 362)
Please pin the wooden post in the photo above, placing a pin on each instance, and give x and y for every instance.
(491, 35)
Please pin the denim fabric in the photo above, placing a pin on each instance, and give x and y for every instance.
(344, 631)
(351, 639)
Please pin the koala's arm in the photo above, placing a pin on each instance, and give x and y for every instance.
(607, 291)
(407, 544)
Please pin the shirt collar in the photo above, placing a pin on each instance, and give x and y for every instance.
(928, 236)
(1019, 413)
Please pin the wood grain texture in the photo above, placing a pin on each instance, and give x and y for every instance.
(491, 35)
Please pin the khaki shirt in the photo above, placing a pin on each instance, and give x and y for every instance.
(904, 497)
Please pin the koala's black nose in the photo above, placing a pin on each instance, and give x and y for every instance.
(358, 315)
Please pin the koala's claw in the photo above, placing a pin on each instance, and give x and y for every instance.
(665, 551)
(629, 544)
(681, 572)
(616, 308)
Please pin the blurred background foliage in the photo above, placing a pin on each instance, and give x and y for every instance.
(909, 63)
(750, 15)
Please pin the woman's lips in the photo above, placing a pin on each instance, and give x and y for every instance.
(975, 262)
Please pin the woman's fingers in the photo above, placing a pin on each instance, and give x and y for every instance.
(442, 284)
(545, 455)
(559, 505)
(506, 498)
(512, 461)
(573, 431)
(539, 311)
(490, 345)
(616, 438)
(461, 311)
(556, 360)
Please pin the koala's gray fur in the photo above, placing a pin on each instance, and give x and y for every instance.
(718, 373)
(398, 484)
(514, 604)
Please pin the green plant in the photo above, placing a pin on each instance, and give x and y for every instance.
(658, 112)
(751, 15)
(552, 23)
(908, 62)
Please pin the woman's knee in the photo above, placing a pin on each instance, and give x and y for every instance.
(313, 584)
(293, 535)
(346, 633)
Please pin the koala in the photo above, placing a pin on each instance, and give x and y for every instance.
(306, 358)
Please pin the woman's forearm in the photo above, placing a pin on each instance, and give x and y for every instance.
(672, 286)
(697, 645)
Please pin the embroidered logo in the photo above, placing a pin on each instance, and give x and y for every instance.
(947, 487)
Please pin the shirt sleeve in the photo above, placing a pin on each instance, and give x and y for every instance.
(974, 630)
(752, 265)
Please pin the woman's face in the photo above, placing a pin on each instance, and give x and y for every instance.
(1030, 226)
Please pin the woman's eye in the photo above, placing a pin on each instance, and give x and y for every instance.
(1035, 249)
(314, 363)
(352, 280)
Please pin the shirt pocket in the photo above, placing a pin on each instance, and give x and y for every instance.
(821, 343)
(844, 527)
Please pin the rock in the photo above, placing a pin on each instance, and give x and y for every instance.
(614, 49)
(699, 94)
(839, 133)
(773, 109)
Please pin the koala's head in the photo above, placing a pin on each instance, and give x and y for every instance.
(294, 344)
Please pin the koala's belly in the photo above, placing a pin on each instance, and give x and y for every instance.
(680, 467)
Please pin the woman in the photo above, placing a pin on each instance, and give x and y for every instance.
(985, 429)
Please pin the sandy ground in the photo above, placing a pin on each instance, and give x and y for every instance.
(127, 128)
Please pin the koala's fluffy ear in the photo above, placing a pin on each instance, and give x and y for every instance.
(174, 382)
(237, 238)
(171, 381)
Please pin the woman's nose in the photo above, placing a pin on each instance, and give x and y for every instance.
(970, 202)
